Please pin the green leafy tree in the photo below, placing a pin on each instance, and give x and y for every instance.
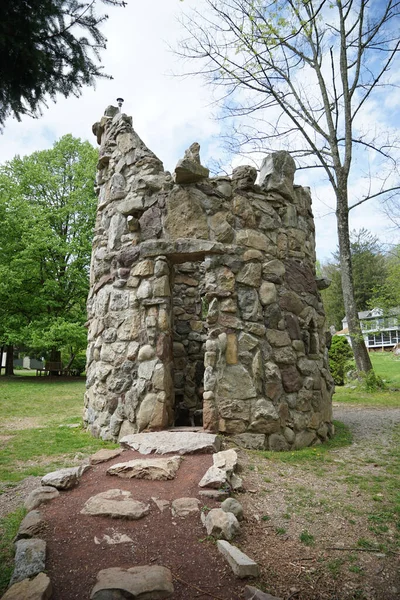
(47, 212)
(47, 47)
(306, 74)
(387, 295)
(340, 353)
(369, 272)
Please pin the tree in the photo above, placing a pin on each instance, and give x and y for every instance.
(369, 273)
(387, 295)
(307, 72)
(47, 212)
(47, 47)
(340, 354)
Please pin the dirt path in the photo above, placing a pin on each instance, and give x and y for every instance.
(366, 422)
(303, 524)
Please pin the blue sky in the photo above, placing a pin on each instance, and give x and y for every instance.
(169, 112)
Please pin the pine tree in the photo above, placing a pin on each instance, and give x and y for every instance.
(47, 47)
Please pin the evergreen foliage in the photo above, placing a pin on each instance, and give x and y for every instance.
(47, 47)
(340, 353)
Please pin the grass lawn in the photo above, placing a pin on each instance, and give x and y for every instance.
(387, 366)
(34, 439)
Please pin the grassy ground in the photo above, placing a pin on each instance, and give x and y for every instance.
(34, 436)
(387, 366)
(35, 439)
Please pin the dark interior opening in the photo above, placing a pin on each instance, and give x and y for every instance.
(189, 336)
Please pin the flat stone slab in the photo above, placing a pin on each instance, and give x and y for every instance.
(30, 558)
(39, 496)
(214, 494)
(215, 478)
(31, 525)
(142, 583)
(240, 563)
(182, 507)
(159, 469)
(104, 455)
(115, 538)
(252, 593)
(160, 503)
(165, 442)
(63, 479)
(38, 588)
(117, 504)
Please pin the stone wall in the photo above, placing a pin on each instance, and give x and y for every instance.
(204, 301)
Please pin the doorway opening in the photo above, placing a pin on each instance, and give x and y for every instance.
(189, 337)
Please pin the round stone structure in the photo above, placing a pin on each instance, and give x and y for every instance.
(204, 308)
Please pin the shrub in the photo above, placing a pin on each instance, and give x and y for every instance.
(340, 353)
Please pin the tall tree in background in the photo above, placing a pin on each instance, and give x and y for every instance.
(47, 47)
(47, 212)
(308, 71)
(369, 272)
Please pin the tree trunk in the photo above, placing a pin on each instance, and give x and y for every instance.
(55, 357)
(363, 361)
(1, 357)
(9, 360)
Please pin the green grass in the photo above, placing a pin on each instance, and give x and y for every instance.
(31, 412)
(387, 366)
(306, 538)
(313, 454)
(9, 526)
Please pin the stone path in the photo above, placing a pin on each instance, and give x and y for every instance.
(141, 581)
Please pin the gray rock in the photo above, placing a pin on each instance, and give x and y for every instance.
(227, 460)
(40, 495)
(233, 506)
(252, 593)
(161, 504)
(181, 507)
(30, 558)
(142, 583)
(240, 563)
(214, 478)
(189, 169)
(38, 588)
(165, 442)
(64, 479)
(32, 524)
(214, 494)
(117, 504)
(253, 441)
(112, 540)
(147, 468)
(104, 455)
(221, 524)
(277, 173)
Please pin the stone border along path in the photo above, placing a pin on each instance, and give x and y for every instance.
(29, 582)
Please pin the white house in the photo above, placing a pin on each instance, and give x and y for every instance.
(379, 330)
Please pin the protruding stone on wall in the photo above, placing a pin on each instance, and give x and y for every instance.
(204, 307)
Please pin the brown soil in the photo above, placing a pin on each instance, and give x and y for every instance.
(281, 502)
(74, 559)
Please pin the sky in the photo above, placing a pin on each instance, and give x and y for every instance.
(169, 111)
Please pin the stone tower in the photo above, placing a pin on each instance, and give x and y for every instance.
(204, 307)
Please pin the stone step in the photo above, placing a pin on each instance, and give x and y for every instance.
(165, 442)
(240, 563)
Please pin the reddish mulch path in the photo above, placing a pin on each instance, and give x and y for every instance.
(74, 559)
